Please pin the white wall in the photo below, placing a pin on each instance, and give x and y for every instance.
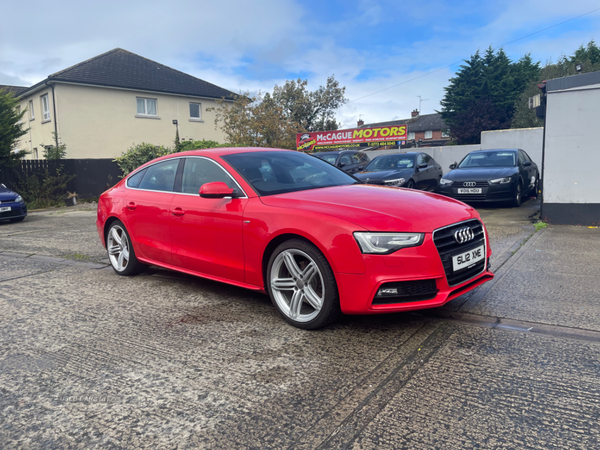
(528, 139)
(572, 169)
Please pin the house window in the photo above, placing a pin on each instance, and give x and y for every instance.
(195, 111)
(35, 153)
(428, 134)
(411, 135)
(31, 114)
(45, 108)
(445, 133)
(146, 107)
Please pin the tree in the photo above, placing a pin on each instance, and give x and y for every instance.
(56, 151)
(10, 129)
(273, 120)
(490, 85)
(588, 56)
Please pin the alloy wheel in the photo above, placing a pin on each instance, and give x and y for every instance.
(297, 285)
(117, 245)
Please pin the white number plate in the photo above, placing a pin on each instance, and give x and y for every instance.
(5, 208)
(469, 190)
(467, 259)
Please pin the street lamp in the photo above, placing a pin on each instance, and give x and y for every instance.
(578, 68)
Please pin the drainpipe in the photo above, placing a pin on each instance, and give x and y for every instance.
(542, 109)
(54, 109)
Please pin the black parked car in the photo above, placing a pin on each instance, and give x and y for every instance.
(411, 170)
(501, 175)
(350, 161)
(12, 205)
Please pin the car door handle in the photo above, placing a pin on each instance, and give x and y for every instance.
(131, 206)
(178, 212)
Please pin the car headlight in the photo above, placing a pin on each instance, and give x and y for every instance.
(19, 199)
(382, 243)
(445, 182)
(501, 180)
(396, 182)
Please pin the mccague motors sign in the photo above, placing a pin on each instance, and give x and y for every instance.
(355, 137)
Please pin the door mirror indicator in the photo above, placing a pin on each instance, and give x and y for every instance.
(216, 189)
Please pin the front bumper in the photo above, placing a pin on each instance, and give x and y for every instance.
(489, 192)
(358, 291)
(17, 210)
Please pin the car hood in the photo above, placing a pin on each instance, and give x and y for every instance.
(7, 194)
(384, 175)
(377, 208)
(480, 173)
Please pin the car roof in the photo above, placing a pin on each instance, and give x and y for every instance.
(396, 154)
(334, 152)
(488, 150)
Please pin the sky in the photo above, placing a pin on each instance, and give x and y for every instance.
(385, 53)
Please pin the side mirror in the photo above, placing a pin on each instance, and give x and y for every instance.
(423, 166)
(453, 166)
(216, 189)
(341, 164)
(526, 163)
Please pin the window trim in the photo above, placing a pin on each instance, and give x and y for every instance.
(31, 111)
(145, 115)
(408, 136)
(430, 134)
(44, 110)
(445, 133)
(196, 119)
(182, 193)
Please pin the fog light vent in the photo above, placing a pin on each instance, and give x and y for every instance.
(405, 291)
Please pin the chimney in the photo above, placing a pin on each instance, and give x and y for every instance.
(415, 113)
(360, 123)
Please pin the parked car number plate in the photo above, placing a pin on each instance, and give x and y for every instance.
(467, 259)
(5, 208)
(469, 190)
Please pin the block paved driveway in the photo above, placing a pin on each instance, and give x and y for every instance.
(89, 359)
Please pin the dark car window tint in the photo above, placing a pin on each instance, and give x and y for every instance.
(391, 162)
(420, 159)
(489, 159)
(428, 159)
(279, 172)
(329, 158)
(160, 177)
(134, 180)
(345, 160)
(521, 158)
(526, 156)
(199, 171)
(356, 159)
(363, 157)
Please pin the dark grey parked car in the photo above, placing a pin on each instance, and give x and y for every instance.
(500, 175)
(413, 170)
(350, 161)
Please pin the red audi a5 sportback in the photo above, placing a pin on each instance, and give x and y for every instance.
(286, 223)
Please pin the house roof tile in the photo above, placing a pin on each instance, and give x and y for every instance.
(16, 90)
(425, 122)
(123, 69)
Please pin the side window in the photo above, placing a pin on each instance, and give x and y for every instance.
(161, 176)
(199, 171)
(428, 159)
(345, 160)
(526, 156)
(363, 157)
(356, 158)
(134, 180)
(521, 158)
(420, 158)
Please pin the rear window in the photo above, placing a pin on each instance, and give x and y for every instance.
(134, 180)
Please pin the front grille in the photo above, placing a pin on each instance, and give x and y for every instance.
(460, 184)
(376, 182)
(448, 247)
(408, 291)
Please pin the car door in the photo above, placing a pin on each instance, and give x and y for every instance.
(206, 233)
(345, 162)
(421, 175)
(146, 210)
(530, 168)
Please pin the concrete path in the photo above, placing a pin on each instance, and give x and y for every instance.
(89, 359)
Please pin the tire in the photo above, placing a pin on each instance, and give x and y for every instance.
(301, 285)
(120, 251)
(517, 196)
(410, 184)
(536, 186)
(18, 219)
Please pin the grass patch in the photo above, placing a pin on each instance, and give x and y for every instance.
(78, 257)
(539, 225)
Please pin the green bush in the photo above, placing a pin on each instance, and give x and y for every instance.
(140, 154)
(199, 145)
(43, 191)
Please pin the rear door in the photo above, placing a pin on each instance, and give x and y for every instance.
(147, 216)
(207, 232)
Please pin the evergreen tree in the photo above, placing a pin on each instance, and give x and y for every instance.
(10, 129)
(482, 95)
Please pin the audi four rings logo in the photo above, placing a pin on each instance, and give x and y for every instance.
(464, 235)
(469, 184)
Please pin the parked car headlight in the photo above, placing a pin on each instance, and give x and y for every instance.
(396, 182)
(500, 180)
(445, 182)
(380, 243)
(19, 199)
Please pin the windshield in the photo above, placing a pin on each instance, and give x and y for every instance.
(326, 157)
(279, 172)
(489, 159)
(391, 162)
